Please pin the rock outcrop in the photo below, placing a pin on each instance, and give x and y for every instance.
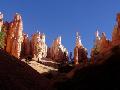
(26, 46)
(116, 32)
(38, 45)
(58, 52)
(20, 45)
(15, 37)
(105, 44)
(96, 49)
(17, 75)
(106, 72)
(80, 53)
(101, 46)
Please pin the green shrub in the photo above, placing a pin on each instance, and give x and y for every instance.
(2, 40)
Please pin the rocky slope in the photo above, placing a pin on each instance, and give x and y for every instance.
(17, 75)
(96, 77)
(43, 66)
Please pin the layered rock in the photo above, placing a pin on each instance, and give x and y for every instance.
(116, 32)
(15, 40)
(96, 49)
(101, 46)
(80, 53)
(15, 37)
(58, 52)
(38, 45)
(105, 44)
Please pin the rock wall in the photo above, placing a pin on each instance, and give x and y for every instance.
(38, 46)
(80, 53)
(19, 44)
(101, 45)
(26, 46)
(15, 37)
(58, 52)
(116, 32)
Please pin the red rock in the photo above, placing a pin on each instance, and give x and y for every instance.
(14, 37)
(57, 51)
(39, 48)
(80, 53)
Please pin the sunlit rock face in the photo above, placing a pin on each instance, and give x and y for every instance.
(1, 21)
(57, 51)
(80, 53)
(116, 32)
(15, 37)
(96, 49)
(105, 44)
(101, 46)
(76, 55)
(38, 46)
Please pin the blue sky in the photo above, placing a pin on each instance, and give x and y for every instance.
(65, 18)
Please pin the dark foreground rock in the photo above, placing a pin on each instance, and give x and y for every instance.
(104, 76)
(17, 75)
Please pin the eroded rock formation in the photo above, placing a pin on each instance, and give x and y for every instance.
(96, 49)
(15, 37)
(26, 46)
(38, 46)
(80, 53)
(105, 44)
(19, 44)
(58, 52)
(101, 46)
(116, 32)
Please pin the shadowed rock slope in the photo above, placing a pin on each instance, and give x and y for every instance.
(17, 75)
(96, 77)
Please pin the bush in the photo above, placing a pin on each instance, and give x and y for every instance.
(2, 40)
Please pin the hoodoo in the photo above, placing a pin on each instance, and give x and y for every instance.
(57, 51)
(80, 53)
(15, 36)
